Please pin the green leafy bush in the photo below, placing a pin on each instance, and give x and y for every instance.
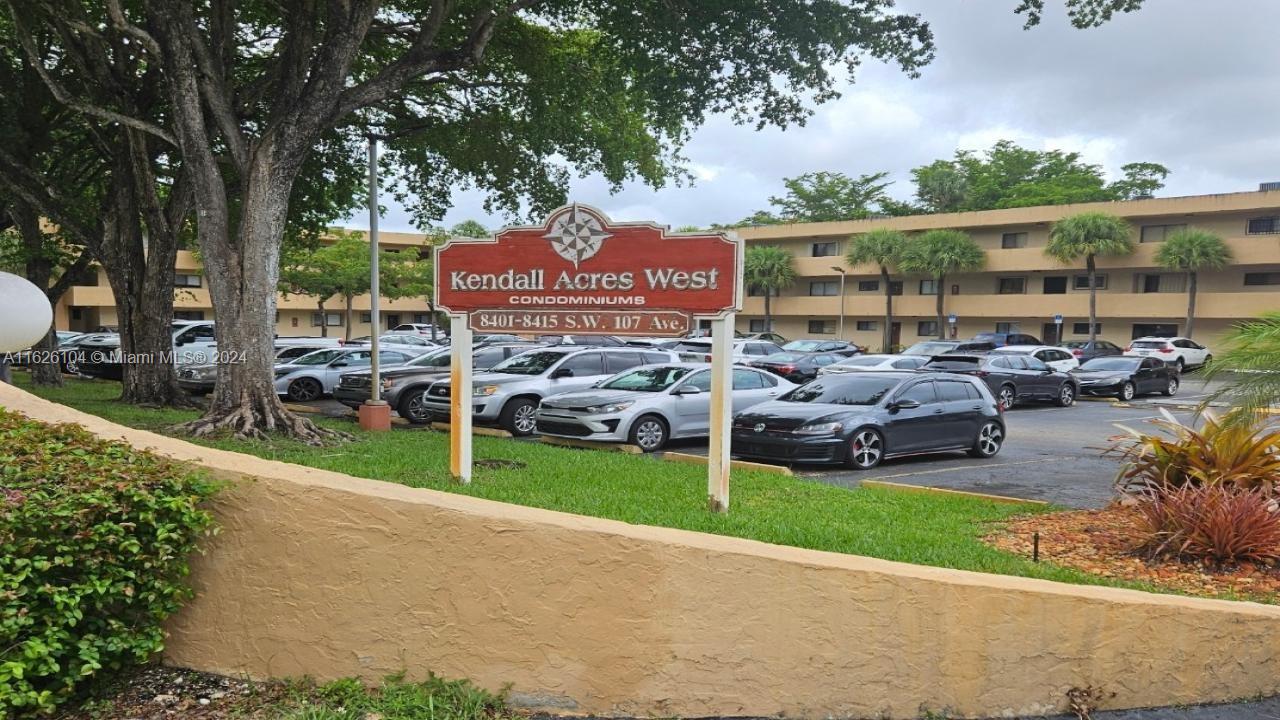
(94, 541)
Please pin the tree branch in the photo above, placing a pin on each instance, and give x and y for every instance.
(116, 13)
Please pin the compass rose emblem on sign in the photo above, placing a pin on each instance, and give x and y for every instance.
(576, 235)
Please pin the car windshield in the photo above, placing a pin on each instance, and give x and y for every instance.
(990, 337)
(647, 379)
(702, 347)
(1149, 344)
(1074, 344)
(783, 357)
(319, 357)
(1111, 363)
(1012, 351)
(929, 348)
(802, 345)
(861, 362)
(864, 389)
(437, 359)
(530, 363)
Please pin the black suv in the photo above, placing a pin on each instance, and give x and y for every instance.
(1012, 378)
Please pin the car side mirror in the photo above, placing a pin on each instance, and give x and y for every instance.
(688, 390)
(905, 404)
(561, 373)
(179, 343)
(1047, 371)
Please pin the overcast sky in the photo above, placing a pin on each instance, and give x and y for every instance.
(1193, 88)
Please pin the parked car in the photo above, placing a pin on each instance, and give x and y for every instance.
(592, 340)
(1127, 377)
(798, 367)
(649, 405)
(1057, 358)
(509, 393)
(706, 333)
(419, 329)
(200, 379)
(71, 353)
(772, 337)
(1180, 351)
(1000, 339)
(419, 343)
(1084, 350)
(193, 344)
(929, 348)
(861, 363)
(403, 386)
(653, 342)
(1013, 378)
(315, 374)
(860, 419)
(743, 350)
(822, 346)
(65, 339)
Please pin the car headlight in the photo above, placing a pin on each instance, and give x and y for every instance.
(487, 390)
(819, 429)
(282, 373)
(610, 408)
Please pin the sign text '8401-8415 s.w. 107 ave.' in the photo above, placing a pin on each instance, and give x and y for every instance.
(579, 273)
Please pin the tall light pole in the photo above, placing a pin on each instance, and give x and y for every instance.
(375, 414)
(843, 272)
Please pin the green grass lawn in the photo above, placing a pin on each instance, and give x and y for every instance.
(917, 528)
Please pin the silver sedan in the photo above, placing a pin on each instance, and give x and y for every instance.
(314, 375)
(649, 405)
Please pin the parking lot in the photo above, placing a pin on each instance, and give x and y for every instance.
(1051, 454)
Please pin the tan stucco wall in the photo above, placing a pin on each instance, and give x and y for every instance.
(327, 575)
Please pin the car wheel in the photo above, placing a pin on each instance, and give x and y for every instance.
(519, 417)
(989, 441)
(1007, 397)
(1127, 391)
(1066, 395)
(866, 449)
(412, 409)
(1172, 388)
(649, 433)
(304, 390)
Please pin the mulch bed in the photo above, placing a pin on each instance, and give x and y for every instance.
(161, 693)
(1100, 542)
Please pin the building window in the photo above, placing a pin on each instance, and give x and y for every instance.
(1006, 327)
(1262, 278)
(866, 325)
(826, 249)
(755, 291)
(824, 288)
(186, 280)
(822, 327)
(756, 326)
(366, 317)
(929, 287)
(1158, 233)
(1264, 225)
(422, 318)
(1011, 285)
(188, 314)
(1154, 283)
(895, 287)
(392, 320)
(1055, 285)
(330, 319)
(1082, 282)
(868, 285)
(1083, 328)
(1154, 330)
(927, 328)
(1009, 241)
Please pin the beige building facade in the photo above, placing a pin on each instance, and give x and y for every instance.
(89, 307)
(1021, 289)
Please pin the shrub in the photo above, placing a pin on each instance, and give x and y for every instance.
(1238, 450)
(94, 540)
(1220, 523)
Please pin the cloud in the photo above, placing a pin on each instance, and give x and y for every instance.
(1176, 83)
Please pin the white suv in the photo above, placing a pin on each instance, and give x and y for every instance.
(1180, 351)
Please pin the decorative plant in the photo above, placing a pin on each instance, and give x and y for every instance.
(1223, 524)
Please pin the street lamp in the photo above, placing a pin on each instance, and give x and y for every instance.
(842, 272)
(375, 413)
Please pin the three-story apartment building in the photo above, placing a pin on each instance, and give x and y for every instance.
(1022, 289)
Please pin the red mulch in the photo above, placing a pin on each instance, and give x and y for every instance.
(1101, 542)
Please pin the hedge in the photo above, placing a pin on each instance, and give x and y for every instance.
(94, 542)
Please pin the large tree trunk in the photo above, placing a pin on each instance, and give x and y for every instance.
(324, 326)
(1191, 303)
(938, 303)
(888, 310)
(1093, 298)
(346, 318)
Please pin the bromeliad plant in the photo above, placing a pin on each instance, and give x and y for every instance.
(94, 541)
(1235, 450)
(1221, 524)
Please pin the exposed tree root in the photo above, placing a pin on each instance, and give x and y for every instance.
(262, 420)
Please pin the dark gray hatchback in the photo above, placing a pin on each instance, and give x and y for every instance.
(862, 418)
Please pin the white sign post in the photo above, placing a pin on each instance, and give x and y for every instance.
(460, 398)
(718, 456)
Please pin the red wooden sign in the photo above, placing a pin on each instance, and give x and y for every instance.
(580, 273)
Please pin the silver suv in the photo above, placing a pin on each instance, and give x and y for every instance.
(508, 393)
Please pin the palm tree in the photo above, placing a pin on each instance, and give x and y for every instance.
(881, 247)
(1089, 235)
(1250, 356)
(939, 253)
(768, 268)
(1192, 250)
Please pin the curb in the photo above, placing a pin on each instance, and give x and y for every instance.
(591, 445)
(687, 459)
(927, 490)
(487, 432)
(294, 407)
